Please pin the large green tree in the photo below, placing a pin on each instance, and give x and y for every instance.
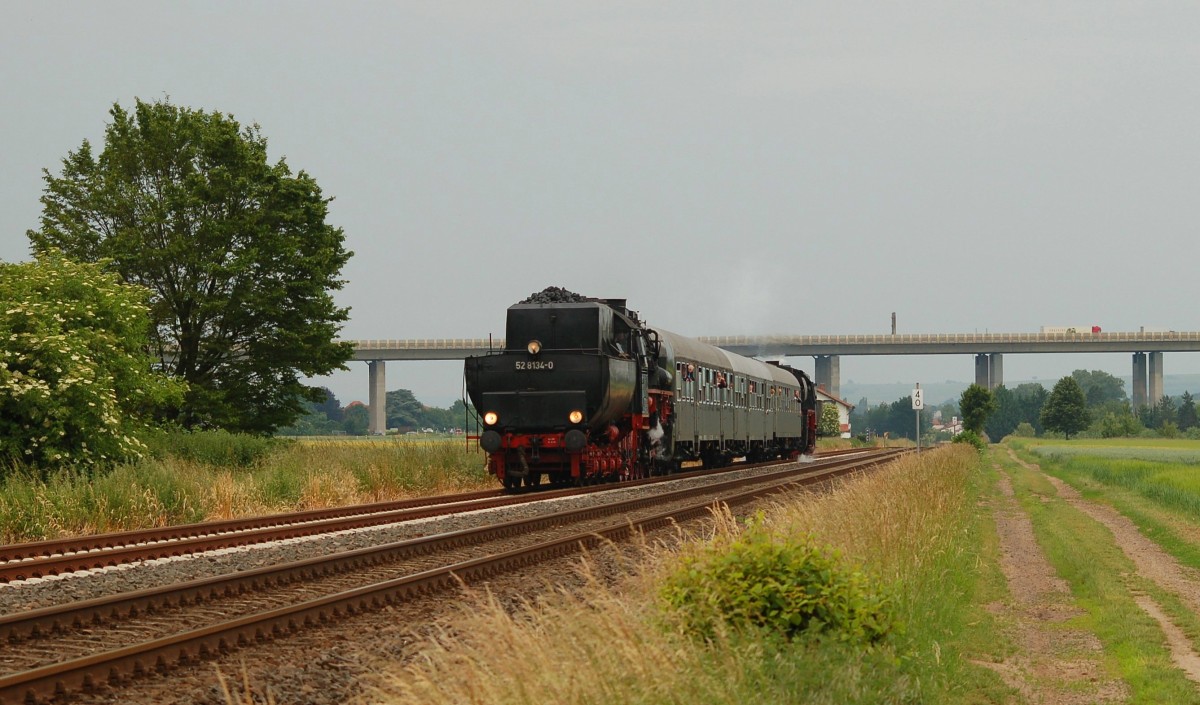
(1066, 408)
(76, 385)
(235, 251)
(1099, 387)
(403, 410)
(977, 404)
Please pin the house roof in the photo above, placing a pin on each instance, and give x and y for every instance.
(826, 396)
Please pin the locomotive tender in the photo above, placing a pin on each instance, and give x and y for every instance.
(585, 391)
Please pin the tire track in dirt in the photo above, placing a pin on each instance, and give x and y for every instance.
(1055, 665)
(1152, 563)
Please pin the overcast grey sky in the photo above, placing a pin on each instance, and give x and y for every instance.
(729, 168)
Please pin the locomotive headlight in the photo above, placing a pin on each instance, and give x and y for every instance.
(490, 418)
(534, 347)
(575, 416)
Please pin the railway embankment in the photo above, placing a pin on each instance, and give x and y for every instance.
(901, 548)
(269, 604)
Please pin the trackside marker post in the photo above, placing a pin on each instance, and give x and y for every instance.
(918, 403)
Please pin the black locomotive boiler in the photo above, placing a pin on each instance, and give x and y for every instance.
(585, 391)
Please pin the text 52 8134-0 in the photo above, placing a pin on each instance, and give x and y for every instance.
(529, 365)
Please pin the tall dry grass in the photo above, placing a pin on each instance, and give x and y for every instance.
(171, 489)
(910, 525)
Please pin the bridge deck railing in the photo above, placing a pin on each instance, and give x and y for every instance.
(824, 340)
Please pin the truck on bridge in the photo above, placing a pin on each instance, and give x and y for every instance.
(1070, 329)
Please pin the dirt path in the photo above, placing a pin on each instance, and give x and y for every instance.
(1152, 562)
(1055, 665)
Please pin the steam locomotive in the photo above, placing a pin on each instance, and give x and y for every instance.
(584, 391)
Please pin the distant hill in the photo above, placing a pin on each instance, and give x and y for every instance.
(937, 393)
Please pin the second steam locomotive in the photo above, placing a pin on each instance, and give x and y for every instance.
(585, 391)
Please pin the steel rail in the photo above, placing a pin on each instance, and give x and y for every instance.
(43, 558)
(160, 654)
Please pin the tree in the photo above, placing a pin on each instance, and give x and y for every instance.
(1165, 411)
(1099, 386)
(830, 425)
(901, 419)
(1031, 396)
(1187, 412)
(320, 419)
(314, 423)
(235, 251)
(1162, 412)
(76, 385)
(1025, 430)
(1066, 409)
(330, 406)
(1007, 415)
(1117, 425)
(403, 410)
(977, 403)
(356, 420)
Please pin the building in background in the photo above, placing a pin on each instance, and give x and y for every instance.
(844, 408)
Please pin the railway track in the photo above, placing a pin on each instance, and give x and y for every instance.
(81, 646)
(46, 558)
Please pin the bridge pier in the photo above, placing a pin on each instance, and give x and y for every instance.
(989, 370)
(828, 374)
(1155, 377)
(377, 399)
(1139, 381)
(1147, 379)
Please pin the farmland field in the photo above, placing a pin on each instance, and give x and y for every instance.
(1116, 526)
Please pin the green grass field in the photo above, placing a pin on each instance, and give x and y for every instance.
(1148, 449)
(1164, 472)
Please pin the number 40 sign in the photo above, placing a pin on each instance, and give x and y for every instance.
(918, 398)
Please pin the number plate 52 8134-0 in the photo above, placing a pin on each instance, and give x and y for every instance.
(532, 365)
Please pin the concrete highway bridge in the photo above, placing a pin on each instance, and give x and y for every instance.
(1147, 349)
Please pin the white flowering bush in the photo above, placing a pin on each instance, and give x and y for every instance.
(76, 385)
